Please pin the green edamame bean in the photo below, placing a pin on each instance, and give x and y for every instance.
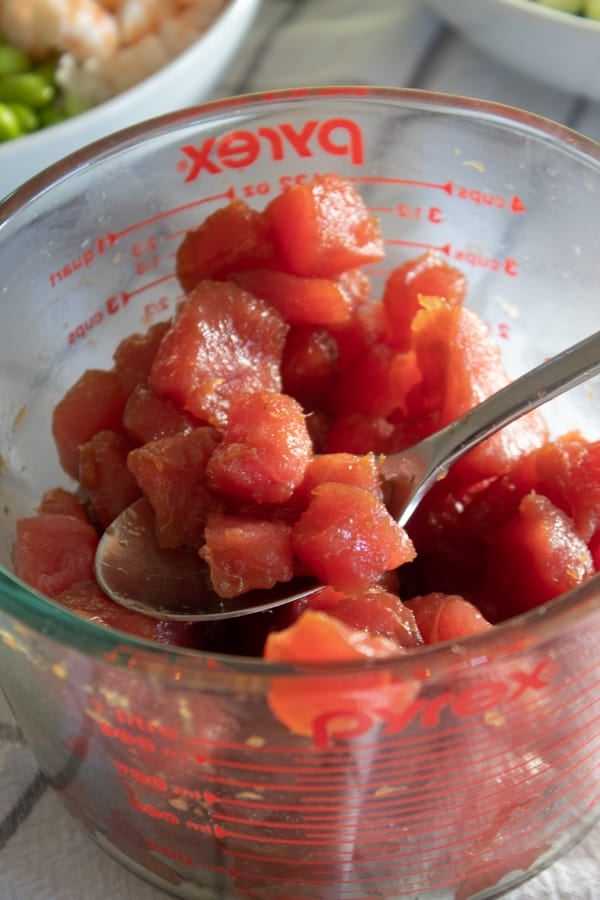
(47, 71)
(73, 105)
(13, 61)
(9, 124)
(28, 118)
(28, 88)
(52, 115)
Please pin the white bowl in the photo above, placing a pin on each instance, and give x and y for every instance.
(555, 47)
(185, 81)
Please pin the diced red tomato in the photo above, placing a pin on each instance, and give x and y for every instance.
(308, 301)
(359, 433)
(568, 472)
(280, 351)
(461, 366)
(94, 403)
(356, 283)
(348, 539)
(377, 611)
(377, 385)
(171, 474)
(363, 330)
(87, 599)
(104, 474)
(322, 228)
(244, 553)
(232, 238)
(535, 556)
(446, 617)
(594, 546)
(429, 275)
(148, 417)
(135, 354)
(450, 559)
(341, 468)
(265, 449)
(58, 501)
(318, 637)
(309, 364)
(222, 343)
(53, 551)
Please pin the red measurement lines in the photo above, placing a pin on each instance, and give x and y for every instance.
(113, 236)
(447, 187)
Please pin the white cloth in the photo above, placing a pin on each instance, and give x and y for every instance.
(43, 855)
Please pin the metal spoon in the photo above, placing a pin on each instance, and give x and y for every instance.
(174, 584)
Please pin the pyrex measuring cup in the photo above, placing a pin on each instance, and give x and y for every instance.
(452, 772)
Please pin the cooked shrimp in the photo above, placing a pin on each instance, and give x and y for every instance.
(106, 46)
(82, 27)
(132, 64)
(181, 30)
(137, 18)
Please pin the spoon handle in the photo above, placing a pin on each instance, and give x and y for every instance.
(431, 458)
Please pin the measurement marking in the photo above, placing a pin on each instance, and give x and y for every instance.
(339, 842)
(447, 187)
(326, 787)
(446, 824)
(542, 785)
(127, 295)
(399, 744)
(428, 885)
(174, 235)
(446, 249)
(395, 873)
(113, 236)
(437, 754)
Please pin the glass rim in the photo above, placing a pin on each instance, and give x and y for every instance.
(506, 639)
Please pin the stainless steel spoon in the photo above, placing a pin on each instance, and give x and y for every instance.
(174, 584)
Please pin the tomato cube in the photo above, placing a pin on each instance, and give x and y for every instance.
(446, 617)
(265, 449)
(309, 301)
(322, 227)
(232, 238)
(304, 704)
(347, 538)
(309, 364)
(135, 354)
(94, 403)
(103, 473)
(244, 554)
(377, 611)
(535, 556)
(52, 551)
(58, 501)
(223, 342)
(148, 417)
(87, 599)
(171, 474)
(429, 275)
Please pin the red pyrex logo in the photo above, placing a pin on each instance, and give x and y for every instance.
(242, 148)
(474, 701)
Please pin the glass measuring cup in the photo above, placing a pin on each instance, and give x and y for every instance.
(442, 773)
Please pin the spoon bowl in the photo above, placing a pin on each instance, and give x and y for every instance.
(174, 584)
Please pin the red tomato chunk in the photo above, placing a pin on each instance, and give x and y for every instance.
(251, 423)
(223, 342)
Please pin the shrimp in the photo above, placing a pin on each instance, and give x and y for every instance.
(193, 18)
(81, 27)
(106, 46)
(134, 63)
(137, 18)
